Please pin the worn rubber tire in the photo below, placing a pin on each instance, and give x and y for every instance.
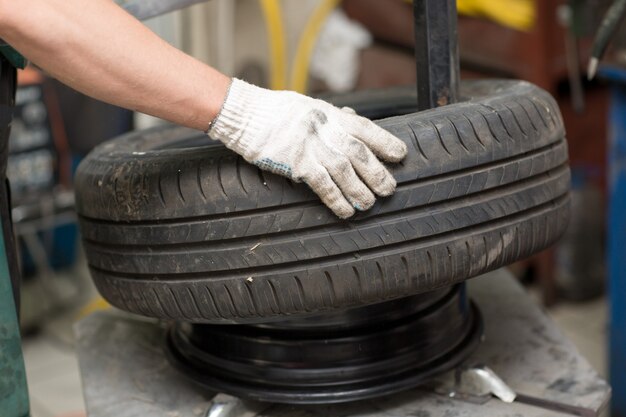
(178, 230)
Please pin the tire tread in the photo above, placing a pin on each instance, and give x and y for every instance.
(486, 183)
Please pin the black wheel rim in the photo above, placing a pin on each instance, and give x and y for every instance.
(336, 357)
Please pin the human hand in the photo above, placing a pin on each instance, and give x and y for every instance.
(334, 151)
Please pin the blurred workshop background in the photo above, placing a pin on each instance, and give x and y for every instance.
(332, 46)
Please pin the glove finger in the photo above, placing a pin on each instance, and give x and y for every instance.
(369, 168)
(327, 190)
(341, 170)
(385, 145)
(348, 110)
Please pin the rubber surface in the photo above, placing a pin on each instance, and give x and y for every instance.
(175, 228)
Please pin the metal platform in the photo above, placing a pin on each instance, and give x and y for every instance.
(125, 372)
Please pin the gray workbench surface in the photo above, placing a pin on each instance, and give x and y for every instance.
(125, 373)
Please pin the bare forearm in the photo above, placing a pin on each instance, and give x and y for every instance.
(100, 50)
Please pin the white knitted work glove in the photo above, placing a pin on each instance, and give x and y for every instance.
(332, 150)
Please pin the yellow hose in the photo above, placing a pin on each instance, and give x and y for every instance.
(516, 14)
(278, 50)
(300, 72)
(97, 304)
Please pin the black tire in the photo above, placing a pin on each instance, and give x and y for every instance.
(180, 229)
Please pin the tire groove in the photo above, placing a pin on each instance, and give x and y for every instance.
(331, 288)
(532, 123)
(541, 116)
(177, 305)
(469, 256)
(417, 142)
(218, 309)
(262, 179)
(150, 306)
(438, 133)
(476, 135)
(519, 125)
(449, 259)
(381, 278)
(553, 112)
(486, 252)
(178, 187)
(275, 297)
(232, 305)
(219, 178)
(159, 302)
(502, 122)
(493, 135)
(199, 182)
(194, 302)
(431, 264)
(252, 299)
(458, 135)
(407, 272)
(115, 198)
(212, 301)
(301, 293)
(518, 242)
(357, 274)
(160, 187)
(239, 179)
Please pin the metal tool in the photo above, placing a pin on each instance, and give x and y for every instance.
(607, 30)
(228, 406)
(476, 384)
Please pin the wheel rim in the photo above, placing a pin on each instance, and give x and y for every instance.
(336, 357)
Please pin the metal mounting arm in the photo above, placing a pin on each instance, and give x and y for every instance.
(436, 52)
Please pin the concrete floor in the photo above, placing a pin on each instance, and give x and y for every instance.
(54, 379)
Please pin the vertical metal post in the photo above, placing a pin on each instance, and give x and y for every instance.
(436, 55)
(436, 52)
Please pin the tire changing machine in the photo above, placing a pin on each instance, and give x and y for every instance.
(511, 361)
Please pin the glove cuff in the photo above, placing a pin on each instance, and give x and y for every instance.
(243, 119)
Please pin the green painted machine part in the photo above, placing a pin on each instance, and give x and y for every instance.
(13, 388)
(15, 58)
